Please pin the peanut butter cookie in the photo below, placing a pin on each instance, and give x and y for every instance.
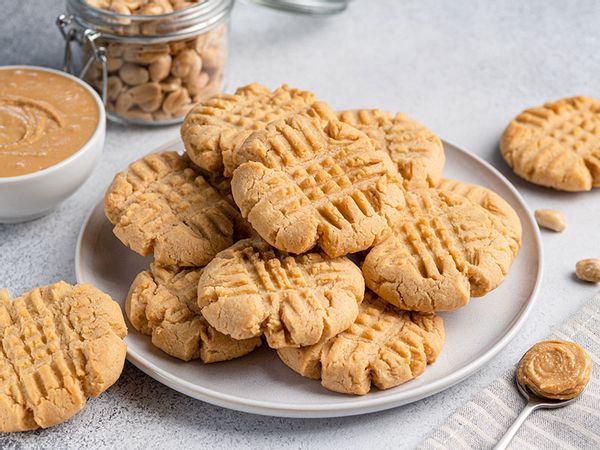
(556, 145)
(303, 181)
(251, 289)
(161, 205)
(418, 153)
(444, 249)
(213, 129)
(162, 303)
(505, 218)
(384, 347)
(60, 345)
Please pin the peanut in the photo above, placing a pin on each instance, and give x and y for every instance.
(170, 84)
(213, 59)
(100, 4)
(133, 74)
(588, 270)
(143, 7)
(132, 4)
(161, 115)
(550, 218)
(114, 64)
(124, 102)
(181, 4)
(176, 100)
(150, 9)
(176, 47)
(197, 82)
(146, 94)
(161, 68)
(145, 55)
(166, 6)
(119, 7)
(114, 85)
(135, 114)
(186, 64)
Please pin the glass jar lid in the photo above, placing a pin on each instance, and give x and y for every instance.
(315, 7)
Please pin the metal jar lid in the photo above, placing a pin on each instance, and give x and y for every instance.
(314, 7)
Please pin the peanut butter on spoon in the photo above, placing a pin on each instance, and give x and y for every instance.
(558, 370)
(552, 374)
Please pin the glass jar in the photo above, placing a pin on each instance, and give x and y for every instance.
(149, 69)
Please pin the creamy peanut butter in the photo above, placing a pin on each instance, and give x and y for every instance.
(44, 118)
(555, 369)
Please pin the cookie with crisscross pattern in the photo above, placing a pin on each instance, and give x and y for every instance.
(162, 303)
(416, 151)
(303, 181)
(556, 145)
(444, 249)
(506, 219)
(251, 289)
(384, 347)
(161, 204)
(59, 345)
(213, 129)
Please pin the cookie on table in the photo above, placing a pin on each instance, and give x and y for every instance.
(60, 345)
(444, 250)
(556, 145)
(162, 303)
(507, 220)
(161, 205)
(385, 347)
(251, 289)
(304, 181)
(417, 152)
(213, 129)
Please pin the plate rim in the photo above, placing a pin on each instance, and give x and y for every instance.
(353, 406)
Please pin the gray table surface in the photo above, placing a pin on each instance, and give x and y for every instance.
(463, 68)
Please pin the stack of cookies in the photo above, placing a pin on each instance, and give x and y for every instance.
(329, 236)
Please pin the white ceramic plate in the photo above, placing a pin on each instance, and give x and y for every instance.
(259, 383)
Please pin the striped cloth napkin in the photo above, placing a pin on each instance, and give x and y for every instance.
(481, 423)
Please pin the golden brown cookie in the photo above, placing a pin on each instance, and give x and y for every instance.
(161, 205)
(384, 347)
(162, 303)
(214, 129)
(60, 345)
(304, 181)
(556, 145)
(444, 249)
(506, 219)
(251, 289)
(417, 152)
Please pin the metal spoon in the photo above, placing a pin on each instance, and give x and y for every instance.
(533, 402)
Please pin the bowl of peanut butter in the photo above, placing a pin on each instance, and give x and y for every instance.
(52, 129)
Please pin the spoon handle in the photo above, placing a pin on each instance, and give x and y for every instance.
(510, 433)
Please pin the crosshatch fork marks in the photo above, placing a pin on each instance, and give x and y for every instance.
(60, 344)
(252, 289)
(161, 205)
(556, 145)
(443, 250)
(304, 181)
(384, 347)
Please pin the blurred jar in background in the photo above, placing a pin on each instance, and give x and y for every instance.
(150, 61)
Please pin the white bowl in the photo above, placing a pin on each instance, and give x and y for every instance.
(33, 195)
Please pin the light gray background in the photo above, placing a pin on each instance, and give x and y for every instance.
(463, 68)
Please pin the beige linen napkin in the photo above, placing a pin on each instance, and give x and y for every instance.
(481, 423)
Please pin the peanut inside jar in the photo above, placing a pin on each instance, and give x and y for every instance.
(157, 82)
(555, 369)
